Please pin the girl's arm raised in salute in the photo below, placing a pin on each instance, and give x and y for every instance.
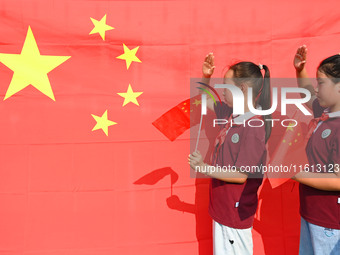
(208, 70)
(303, 80)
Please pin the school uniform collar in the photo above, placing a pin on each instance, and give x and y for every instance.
(333, 114)
(246, 116)
(330, 114)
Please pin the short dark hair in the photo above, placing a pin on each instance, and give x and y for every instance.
(331, 67)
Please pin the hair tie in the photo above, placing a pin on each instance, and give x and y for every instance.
(260, 66)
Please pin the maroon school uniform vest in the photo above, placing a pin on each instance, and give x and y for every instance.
(234, 205)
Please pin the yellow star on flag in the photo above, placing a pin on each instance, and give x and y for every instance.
(290, 127)
(31, 68)
(129, 56)
(103, 123)
(100, 27)
(197, 102)
(130, 96)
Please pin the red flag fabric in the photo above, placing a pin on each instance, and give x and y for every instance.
(178, 119)
(156, 175)
(81, 83)
(289, 156)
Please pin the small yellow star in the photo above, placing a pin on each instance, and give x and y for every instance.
(130, 96)
(197, 102)
(31, 68)
(290, 127)
(103, 123)
(100, 27)
(129, 56)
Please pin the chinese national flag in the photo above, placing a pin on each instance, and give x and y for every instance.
(82, 168)
(80, 84)
(179, 118)
(289, 156)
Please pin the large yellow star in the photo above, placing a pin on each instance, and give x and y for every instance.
(31, 68)
(290, 127)
(130, 96)
(100, 27)
(129, 56)
(103, 123)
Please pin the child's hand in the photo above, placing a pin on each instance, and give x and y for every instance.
(300, 58)
(195, 160)
(208, 65)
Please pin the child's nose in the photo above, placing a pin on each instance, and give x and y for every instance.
(316, 89)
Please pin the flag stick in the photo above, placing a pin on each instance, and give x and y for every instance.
(199, 132)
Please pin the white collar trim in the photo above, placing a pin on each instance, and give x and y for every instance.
(333, 114)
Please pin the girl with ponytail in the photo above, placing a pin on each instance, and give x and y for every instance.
(240, 152)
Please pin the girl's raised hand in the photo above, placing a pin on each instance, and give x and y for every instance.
(300, 58)
(208, 65)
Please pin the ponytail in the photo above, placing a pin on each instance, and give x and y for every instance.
(265, 101)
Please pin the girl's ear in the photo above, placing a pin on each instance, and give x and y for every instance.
(338, 87)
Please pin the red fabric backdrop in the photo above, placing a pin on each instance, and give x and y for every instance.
(65, 189)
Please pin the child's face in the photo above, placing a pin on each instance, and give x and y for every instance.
(327, 91)
(228, 79)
